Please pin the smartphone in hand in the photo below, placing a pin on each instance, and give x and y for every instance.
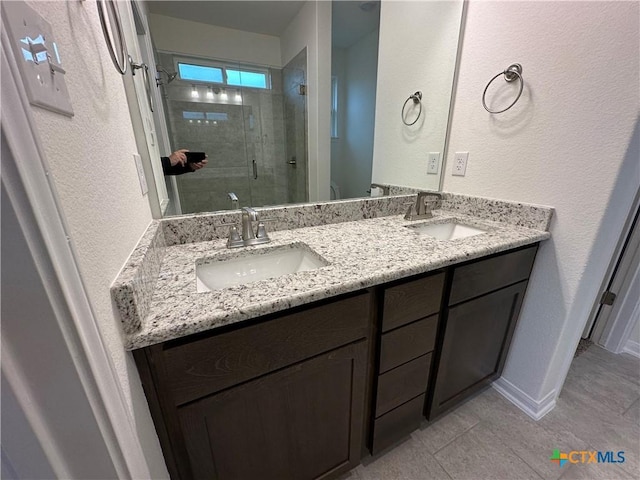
(195, 157)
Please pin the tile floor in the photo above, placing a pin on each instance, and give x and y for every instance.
(488, 438)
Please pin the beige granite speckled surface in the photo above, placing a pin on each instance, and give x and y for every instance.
(360, 254)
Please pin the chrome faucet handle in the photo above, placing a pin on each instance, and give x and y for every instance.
(234, 240)
(411, 212)
(261, 233)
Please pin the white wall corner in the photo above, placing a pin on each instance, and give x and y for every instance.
(536, 409)
(311, 28)
(632, 348)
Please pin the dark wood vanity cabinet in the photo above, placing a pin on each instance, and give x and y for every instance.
(409, 323)
(284, 398)
(303, 394)
(300, 422)
(483, 307)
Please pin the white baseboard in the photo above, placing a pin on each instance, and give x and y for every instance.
(632, 348)
(536, 409)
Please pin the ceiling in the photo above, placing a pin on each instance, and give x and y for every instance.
(266, 17)
(351, 20)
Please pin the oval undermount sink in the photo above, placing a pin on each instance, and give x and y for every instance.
(252, 266)
(447, 231)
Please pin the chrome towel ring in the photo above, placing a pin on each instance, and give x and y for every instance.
(417, 99)
(119, 61)
(510, 74)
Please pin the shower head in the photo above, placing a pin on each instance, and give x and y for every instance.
(368, 6)
(171, 76)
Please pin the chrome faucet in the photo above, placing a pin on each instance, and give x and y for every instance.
(422, 208)
(249, 215)
(234, 200)
(385, 188)
(248, 237)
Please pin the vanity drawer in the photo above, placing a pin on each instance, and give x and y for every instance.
(201, 367)
(408, 342)
(411, 301)
(402, 384)
(397, 424)
(485, 276)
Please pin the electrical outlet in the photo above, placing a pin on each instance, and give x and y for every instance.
(141, 177)
(433, 163)
(460, 163)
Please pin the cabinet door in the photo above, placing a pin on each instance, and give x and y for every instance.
(475, 345)
(302, 422)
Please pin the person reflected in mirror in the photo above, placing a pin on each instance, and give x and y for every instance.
(176, 163)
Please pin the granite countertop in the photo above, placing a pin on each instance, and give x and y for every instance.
(359, 253)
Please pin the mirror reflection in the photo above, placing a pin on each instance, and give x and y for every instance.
(285, 111)
(249, 119)
(354, 66)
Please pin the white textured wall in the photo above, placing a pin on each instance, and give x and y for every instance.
(565, 144)
(91, 161)
(193, 38)
(311, 28)
(417, 52)
(352, 151)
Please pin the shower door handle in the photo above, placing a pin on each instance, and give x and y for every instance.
(255, 169)
(293, 161)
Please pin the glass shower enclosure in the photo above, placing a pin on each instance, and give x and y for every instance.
(251, 122)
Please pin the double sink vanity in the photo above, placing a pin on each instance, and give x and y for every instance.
(298, 357)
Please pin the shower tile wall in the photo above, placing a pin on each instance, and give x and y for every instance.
(224, 142)
(252, 128)
(265, 140)
(294, 76)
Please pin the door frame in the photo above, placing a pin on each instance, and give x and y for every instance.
(147, 52)
(612, 324)
(29, 186)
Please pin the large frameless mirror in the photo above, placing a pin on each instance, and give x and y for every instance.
(298, 101)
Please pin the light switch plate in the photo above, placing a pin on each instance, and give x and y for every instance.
(433, 163)
(460, 163)
(38, 57)
(143, 180)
